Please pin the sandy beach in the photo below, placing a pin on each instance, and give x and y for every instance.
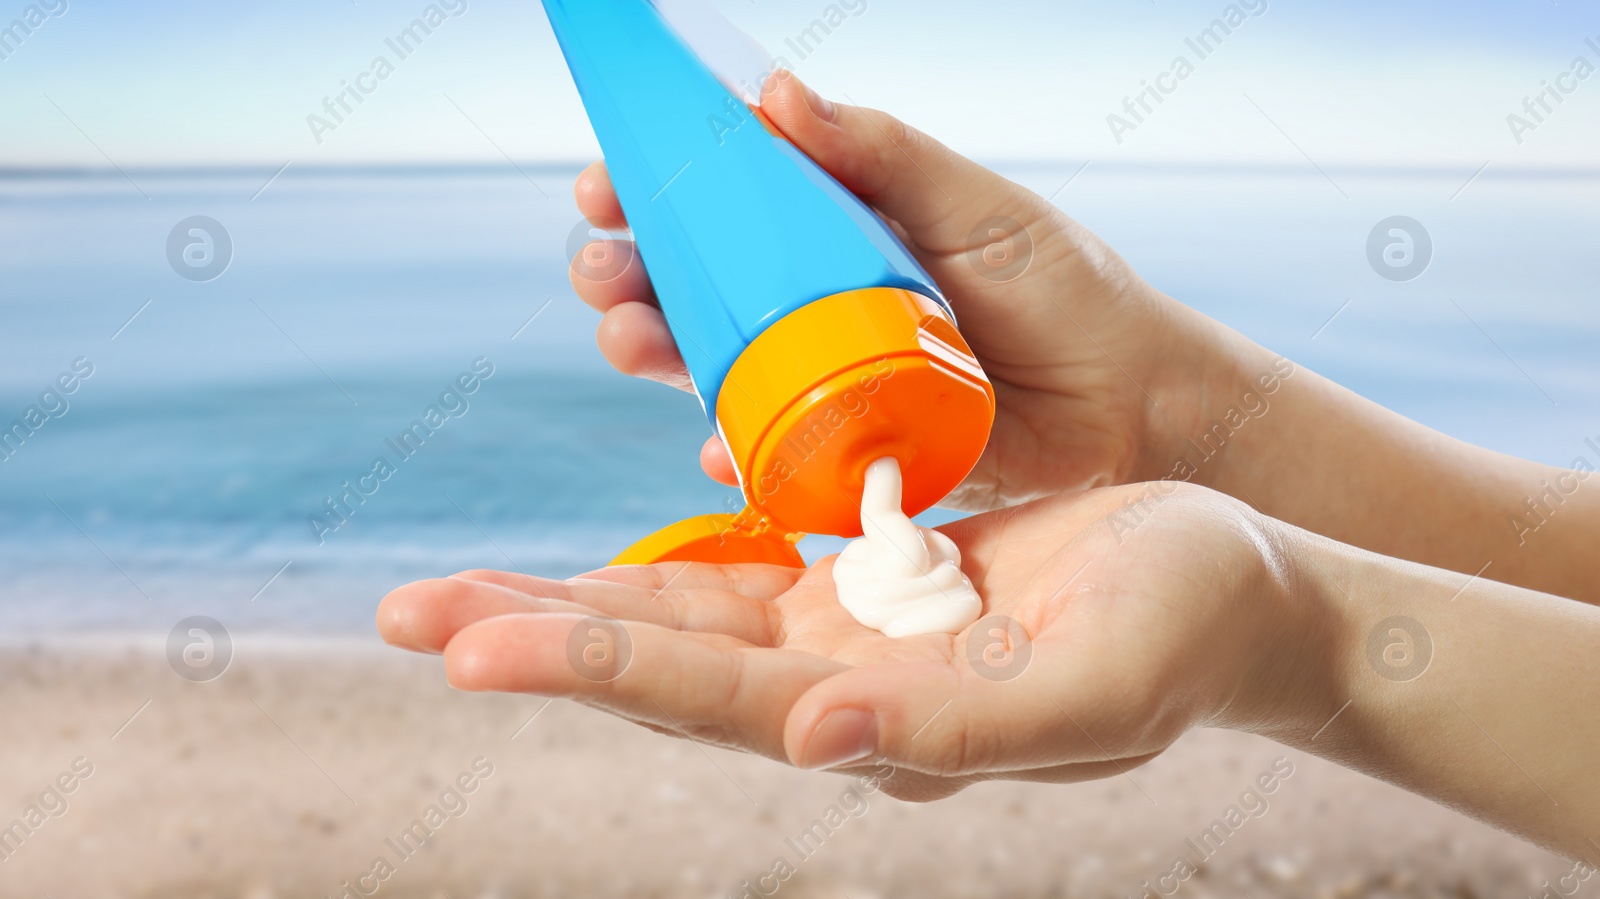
(303, 771)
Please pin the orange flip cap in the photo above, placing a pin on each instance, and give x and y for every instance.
(817, 397)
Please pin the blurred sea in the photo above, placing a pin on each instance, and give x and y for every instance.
(221, 414)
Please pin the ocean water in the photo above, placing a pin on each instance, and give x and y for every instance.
(220, 415)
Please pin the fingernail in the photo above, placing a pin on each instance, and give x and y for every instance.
(841, 737)
(821, 107)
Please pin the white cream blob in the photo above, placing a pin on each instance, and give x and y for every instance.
(899, 578)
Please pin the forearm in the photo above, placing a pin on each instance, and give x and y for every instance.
(1318, 456)
(1485, 699)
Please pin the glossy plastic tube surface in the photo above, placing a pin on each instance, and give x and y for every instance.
(736, 226)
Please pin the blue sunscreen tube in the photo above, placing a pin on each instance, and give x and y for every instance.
(815, 340)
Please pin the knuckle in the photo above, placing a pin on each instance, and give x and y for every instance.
(676, 606)
(735, 696)
(977, 750)
(897, 131)
(456, 589)
(958, 751)
(475, 574)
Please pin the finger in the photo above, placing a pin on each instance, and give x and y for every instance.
(635, 339)
(936, 194)
(424, 615)
(759, 582)
(943, 718)
(716, 462)
(701, 684)
(597, 199)
(608, 272)
(714, 609)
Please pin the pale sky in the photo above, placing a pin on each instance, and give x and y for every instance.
(1352, 83)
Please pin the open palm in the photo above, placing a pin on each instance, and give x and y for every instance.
(1114, 621)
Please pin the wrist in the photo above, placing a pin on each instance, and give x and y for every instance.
(1300, 676)
(1212, 388)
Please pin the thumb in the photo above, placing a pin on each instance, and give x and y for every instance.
(935, 194)
(928, 717)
